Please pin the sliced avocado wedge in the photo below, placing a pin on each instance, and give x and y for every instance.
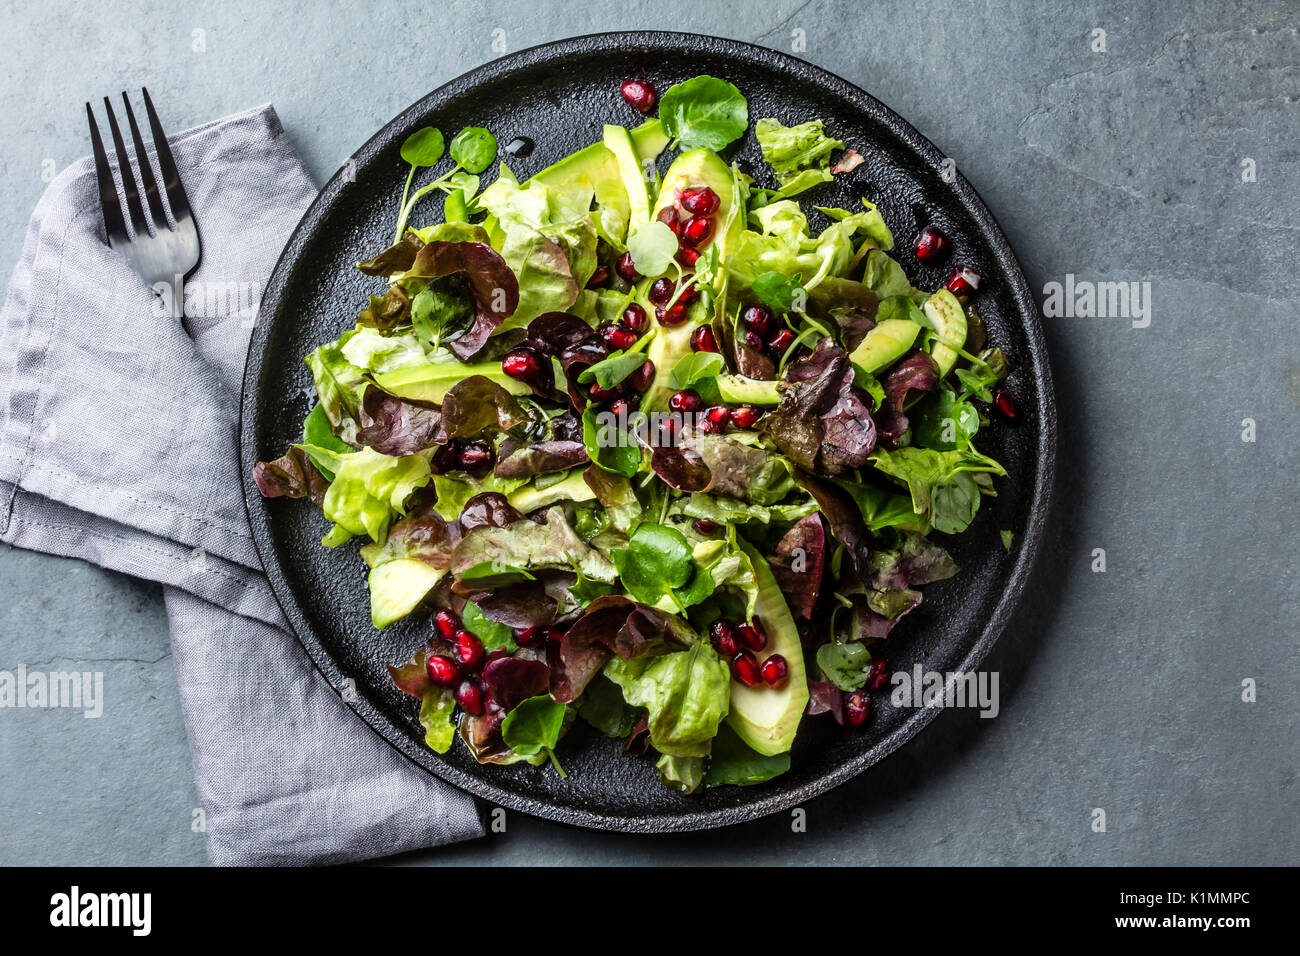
(572, 488)
(593, 171)
(703, 167)
(619, 142)
(885, 344)
(649, 140)
(397, 588)
(748, 391)
(764, 717)
(669, 346)
(949, 320)
(429, 383)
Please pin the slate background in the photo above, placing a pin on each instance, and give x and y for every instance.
(1120, 690)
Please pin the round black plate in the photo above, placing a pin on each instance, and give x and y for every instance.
(558, 96)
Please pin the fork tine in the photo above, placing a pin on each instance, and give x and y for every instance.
(128, 177)
(114, 225)
(171, 177)
(146, 170)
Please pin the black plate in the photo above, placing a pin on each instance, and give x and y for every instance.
(559, 95)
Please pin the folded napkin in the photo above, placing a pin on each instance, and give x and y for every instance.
(119, 446)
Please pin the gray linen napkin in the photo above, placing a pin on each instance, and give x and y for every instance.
(119, 446)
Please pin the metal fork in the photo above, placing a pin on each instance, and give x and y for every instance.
(167, 256)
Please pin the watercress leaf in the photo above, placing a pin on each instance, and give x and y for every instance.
(944, 422)
(845, 665)
(442, 307)
(609, 446)
(694, 368)
(732, 761)
(534, 725)
(704, 111)
(612, 370)
(779, 291)
(424, 147)
(494, 636)
(474, 148)
(652, 248)
(490, 281)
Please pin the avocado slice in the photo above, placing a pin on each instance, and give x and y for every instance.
(748, 391)
(619, 142)
(430, 382)
(649, 140)
(885, 344)
(669, 346)
(949, 320)
(596, 170)
(397, 587)
(571, 488)
(763, 717)
(703, 167)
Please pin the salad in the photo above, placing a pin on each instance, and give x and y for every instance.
(654, 453)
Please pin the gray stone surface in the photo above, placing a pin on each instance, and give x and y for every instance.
(1121, 690)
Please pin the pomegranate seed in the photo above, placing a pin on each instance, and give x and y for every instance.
(757, 318)
(702, 340)
(634, 317)
(700, 202)
(668, 426)
(522, 364)
(706, 427)
(751, 636)
(442, 670)
(598, 393)
(668, 216)
(930, 243)
(876, 676)
(698, 230)
(744, 667)
(719, 415)
(1006, 405)
(674, 315)
(723, 636)
(639, 94)
(626, 268)
(775, 671)
(752, 339)
(687, 256)
(469, 651)
(474, 456)
(470, 697)
(617, 336)
(530, 636)
(599, 277)
(705, 526)
(687, 400)
(447, 624)
(781, 341)
(640, 379)
(963, 281)
(746, 416)
(621, 409)
(553, 635)
(856, 706)
(661, 290)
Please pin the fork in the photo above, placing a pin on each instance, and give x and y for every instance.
(168, 255)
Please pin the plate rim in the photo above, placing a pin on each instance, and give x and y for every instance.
(1039, 505)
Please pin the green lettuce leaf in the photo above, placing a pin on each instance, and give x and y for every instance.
(369, 489)
(799, 155)
(686, 694)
